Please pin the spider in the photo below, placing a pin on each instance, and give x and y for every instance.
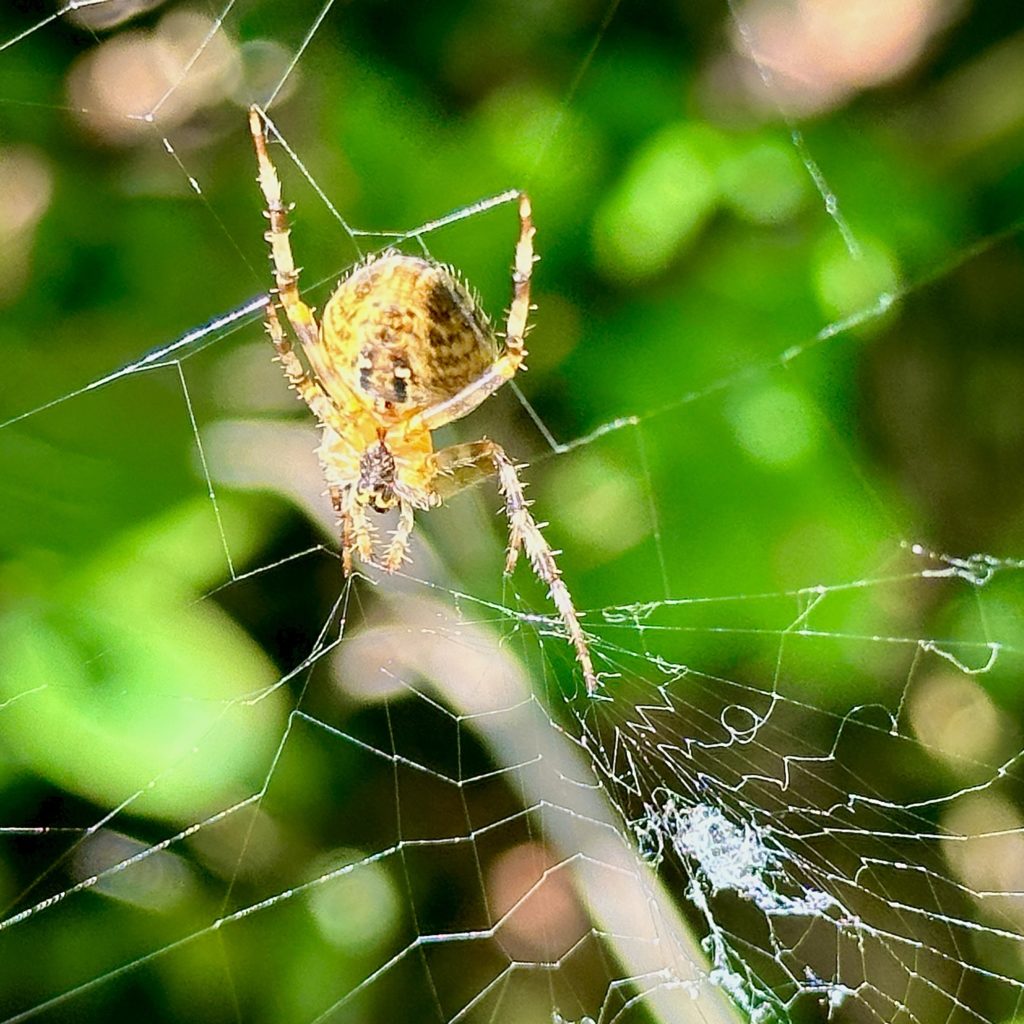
(403, 348)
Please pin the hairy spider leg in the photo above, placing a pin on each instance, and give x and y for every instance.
(308, 389)
(356, 529)
(398, 550)
(505, 367)
(325, 411)
(363, 529)
(341, 512)
(462, 465)
(286, 275)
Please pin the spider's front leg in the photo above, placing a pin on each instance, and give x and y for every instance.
(286, 274)
(462, 465)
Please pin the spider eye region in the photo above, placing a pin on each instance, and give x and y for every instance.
(376, 486)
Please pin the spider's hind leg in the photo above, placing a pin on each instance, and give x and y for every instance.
(461, 466)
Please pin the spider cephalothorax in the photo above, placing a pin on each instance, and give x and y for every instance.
(404, 348)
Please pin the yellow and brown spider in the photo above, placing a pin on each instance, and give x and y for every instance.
(402, 349)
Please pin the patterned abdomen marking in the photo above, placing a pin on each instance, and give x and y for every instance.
(406, 332)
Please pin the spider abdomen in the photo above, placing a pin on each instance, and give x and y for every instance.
(406, 332)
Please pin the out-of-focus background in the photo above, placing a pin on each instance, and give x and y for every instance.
(778, 350)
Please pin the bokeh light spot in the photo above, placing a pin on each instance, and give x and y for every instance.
(845, 284)
(775, 426)
(764, 183)
(658, 205)
(356, 911)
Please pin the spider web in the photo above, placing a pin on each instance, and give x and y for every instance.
(235, 788)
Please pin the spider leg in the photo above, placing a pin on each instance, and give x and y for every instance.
(356, 529)
(398, 550)
(522, 272)
(286, 274)
(505, 367)
(309, 390)
(462, 465)
(339, 502)
(362, 529)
